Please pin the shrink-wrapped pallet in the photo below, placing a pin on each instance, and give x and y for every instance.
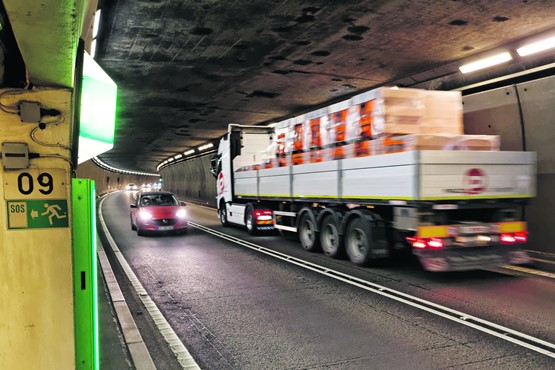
(478, 142)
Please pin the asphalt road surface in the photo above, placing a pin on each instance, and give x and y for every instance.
(236, 308)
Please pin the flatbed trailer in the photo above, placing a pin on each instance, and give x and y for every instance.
(455, 209)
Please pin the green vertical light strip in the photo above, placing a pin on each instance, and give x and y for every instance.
(85, 275)
(94, 277)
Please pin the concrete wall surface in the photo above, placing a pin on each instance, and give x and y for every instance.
(107, 181)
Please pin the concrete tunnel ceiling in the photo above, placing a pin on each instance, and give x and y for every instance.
(186, 69)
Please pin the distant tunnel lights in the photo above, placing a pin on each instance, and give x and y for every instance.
(205, 146)
(189, 152)
(536, 47)
(486, 62)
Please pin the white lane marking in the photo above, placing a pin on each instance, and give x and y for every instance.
(544, 261)
(183, 356)
(485, 326)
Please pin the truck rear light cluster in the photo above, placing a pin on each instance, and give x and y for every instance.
(520, 237)
(422, 243)
(263, 215)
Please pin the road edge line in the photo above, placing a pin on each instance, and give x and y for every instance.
(177, 347)
(137, 348)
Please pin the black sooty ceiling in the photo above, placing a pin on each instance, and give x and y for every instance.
(185, 69)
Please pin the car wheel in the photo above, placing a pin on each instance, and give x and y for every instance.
(133, 227)
(140, 232)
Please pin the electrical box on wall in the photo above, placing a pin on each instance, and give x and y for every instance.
(15, 156)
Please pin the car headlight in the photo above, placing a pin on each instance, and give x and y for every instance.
(181, 213)
(144, 215)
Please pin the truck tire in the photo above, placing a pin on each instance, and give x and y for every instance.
(330, 239)
(222, 212)
(250, 222)
(308, 235)
(358, 239)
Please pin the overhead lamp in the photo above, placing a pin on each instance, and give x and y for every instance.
(486, 62)
(96, 23)
(170, 159)
(189, 152)
(205, 146)
(536, 47)
(93, 48)
(178, 156)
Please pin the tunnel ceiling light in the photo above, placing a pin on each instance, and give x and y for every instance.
(205, 146)
(96, 24)
(178, 156)
(486, 62)
(106, 166)
(93, 48)
(536, 47)
(189, 152)
(170, 159)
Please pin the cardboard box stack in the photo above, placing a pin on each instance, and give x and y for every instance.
(380, 121)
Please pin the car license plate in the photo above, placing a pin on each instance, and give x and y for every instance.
(165, 228)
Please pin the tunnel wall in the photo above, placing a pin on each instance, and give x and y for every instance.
(191, 179)
(107, 181)
(524, 116)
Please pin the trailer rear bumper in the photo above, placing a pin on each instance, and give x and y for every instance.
(461, 259)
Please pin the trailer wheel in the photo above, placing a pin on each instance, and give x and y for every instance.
(308, 235)
(358, 239)
(250, 222)
(330, 239)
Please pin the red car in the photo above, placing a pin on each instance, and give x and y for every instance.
(158, 211)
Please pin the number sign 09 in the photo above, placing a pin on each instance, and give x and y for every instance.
(26, 183)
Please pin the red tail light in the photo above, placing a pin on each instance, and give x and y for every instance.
(435, 243)
(521, 237)
(508, 239)
(416, 242)
(419, 243)
(257, 213)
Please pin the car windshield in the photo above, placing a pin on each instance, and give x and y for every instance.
(158, 200)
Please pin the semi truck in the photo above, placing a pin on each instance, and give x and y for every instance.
(371, 198)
